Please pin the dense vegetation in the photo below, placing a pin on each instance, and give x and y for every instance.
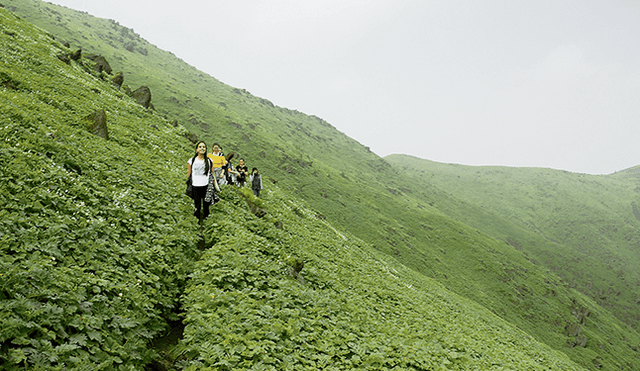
(340, 311)
(95, 248)
(281, 288)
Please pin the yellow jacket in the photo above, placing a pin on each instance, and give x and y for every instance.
(218, 161)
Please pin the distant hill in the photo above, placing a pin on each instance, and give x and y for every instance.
(589, 225)
(632, 172)
(421, 229)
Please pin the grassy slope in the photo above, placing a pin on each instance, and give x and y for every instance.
(587, 229)
(352, 308)
(96, 249)
(89, 273)
(353, 188)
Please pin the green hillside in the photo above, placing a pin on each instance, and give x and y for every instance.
(95, 248)
(588, 226)
(359, 194)
(99, 261)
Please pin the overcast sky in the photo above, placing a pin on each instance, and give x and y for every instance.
(519, 83)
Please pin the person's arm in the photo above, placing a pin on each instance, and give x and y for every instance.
(189, 169)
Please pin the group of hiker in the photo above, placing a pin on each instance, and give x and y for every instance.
(208, 171)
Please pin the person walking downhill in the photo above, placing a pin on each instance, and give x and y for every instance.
(200, 166)
(256, 182)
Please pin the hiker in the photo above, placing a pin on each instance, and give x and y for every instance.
(242, 172)
(256, 182)
(218, 162)
(199, 170)
(230, 173)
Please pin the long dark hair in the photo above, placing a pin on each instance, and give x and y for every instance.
(206, 158)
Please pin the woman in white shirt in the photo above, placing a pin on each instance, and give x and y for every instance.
(199, 168)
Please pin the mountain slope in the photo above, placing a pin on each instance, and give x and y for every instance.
(347, 307)
(100, 255)
(356, 191)
(89, 273)
(589, 225)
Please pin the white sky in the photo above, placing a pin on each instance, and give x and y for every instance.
(544, 83)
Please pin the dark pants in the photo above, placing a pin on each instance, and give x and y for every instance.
(256, 191)
(198, 198)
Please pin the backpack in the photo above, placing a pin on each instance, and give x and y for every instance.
(255, 184)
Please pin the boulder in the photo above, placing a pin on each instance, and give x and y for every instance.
(101, 63)
(118, 79)
(76, 55)
(97, 124)
(142, 95)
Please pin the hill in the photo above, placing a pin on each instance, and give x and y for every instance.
(588, 225)
(99, 260)
(348, 186)
(90, 273)
(633, 172)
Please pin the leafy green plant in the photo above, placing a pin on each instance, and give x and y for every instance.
(90, 272)
(356, 309)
